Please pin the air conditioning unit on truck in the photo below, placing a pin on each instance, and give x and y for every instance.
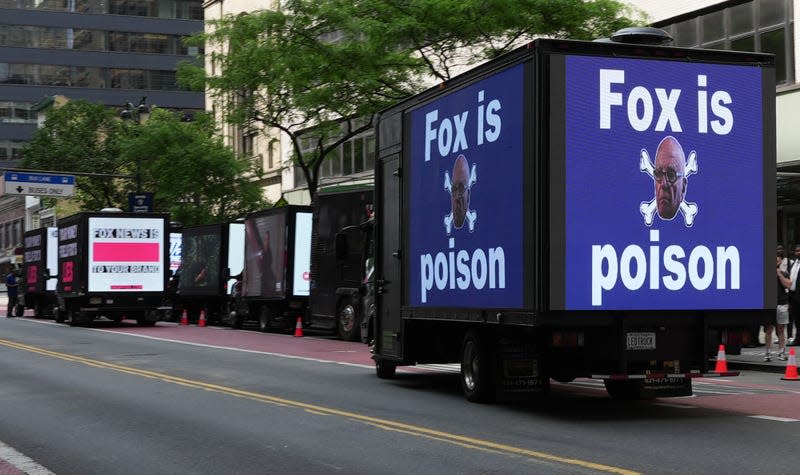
(40, 261)
(210, 256)
(113, 265)
(577, 210)
(340, 247)
(274, 286)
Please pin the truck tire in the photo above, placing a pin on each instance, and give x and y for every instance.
(385, 369)
(235, 320)
(263, 318)
(348, 323)
(477, 378)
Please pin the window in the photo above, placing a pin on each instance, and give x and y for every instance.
(759, 25)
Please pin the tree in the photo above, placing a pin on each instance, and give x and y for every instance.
(80, 137)
(196, 178)
(320, 70)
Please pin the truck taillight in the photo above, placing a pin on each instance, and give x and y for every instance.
(567, 339)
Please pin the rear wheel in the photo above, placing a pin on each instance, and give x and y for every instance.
(263, 318)
(348, 322)
(477, 381)
(385, 369)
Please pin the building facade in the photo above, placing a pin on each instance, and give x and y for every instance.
(107, 51)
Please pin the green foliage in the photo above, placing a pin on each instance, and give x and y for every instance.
(81, 137)
(319, 70)
(195, 177)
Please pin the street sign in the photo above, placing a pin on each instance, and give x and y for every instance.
(140, 202)
(38, 184)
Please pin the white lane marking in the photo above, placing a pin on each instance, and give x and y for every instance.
(776, 419)
(21, 462)
(676, 406)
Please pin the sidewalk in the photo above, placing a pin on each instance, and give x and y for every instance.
(752, 359)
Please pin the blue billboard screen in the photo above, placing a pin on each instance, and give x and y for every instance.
(465, 236)
(664, 185)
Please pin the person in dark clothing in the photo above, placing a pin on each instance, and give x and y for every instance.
(12, 285)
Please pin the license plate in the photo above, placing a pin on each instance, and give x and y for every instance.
(641, 341)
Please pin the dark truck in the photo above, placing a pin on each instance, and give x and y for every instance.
(40, 261)
(535, 219)
(210, 256)
(273, 288)
(113, 265)
(340, 246)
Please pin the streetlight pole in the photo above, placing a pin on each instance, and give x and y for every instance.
(140, 114)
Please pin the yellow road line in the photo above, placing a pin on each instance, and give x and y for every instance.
(419, 431)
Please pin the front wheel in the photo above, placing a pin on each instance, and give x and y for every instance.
(476, 368)
(348, 322)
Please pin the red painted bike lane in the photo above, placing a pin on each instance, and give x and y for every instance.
(316, 348)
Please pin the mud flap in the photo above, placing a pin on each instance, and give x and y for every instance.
(520, 371)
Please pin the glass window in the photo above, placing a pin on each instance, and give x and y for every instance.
(771, 12)
(336, 161)
(745, 43)
(741, 18)
(713, 27)
(358, 155)
(299, 177)
(686, 33)
(773, 42)
(347, 158)
(369, 152)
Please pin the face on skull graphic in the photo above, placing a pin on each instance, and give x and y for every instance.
(670, 174)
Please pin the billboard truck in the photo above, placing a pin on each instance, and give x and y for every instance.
(273, 287)
(340, 249)
(113, 265)
(40, 261)
(210, 256)
(566, 211)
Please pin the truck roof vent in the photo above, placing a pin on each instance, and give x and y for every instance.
(642, 35)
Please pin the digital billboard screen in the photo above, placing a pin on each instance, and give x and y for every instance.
(265, 262)
(465, 194)
(664, 194)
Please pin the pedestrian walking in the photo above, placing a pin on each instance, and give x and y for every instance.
(794, 299)
(12, 285)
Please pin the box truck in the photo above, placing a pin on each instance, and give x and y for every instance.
(210, 256)
(341, 242)
(40, 261)
(113, 265)
(273, 287)
(577, 210)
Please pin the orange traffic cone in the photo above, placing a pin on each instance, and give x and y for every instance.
(791, 368)
(298, 327)
(201, 322)
(722, 363)
(184, 318)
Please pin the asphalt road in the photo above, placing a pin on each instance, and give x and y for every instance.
(131, 401)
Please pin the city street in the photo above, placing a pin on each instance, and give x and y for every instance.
(185, 399)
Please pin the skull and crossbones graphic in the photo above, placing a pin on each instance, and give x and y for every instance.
(459, 189)
(669, 178)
